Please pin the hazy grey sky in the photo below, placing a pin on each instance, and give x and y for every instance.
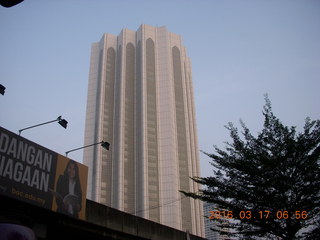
(240, 50)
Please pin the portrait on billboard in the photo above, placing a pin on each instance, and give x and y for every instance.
(70, 187)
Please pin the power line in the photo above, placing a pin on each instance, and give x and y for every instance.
(158, 206)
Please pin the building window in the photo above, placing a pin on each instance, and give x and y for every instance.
(181, 135)
(153, 188)
(129, 174)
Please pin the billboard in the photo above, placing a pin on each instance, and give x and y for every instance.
(34, 174)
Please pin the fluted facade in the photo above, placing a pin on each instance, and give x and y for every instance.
(140, 100)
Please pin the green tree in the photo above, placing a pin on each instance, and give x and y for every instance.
(269, 183)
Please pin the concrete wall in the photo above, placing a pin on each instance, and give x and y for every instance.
(101, 223)
(123, 222)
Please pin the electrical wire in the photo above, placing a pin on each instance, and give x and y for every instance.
(159, 206)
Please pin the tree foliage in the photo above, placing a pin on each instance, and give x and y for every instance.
(268, 180)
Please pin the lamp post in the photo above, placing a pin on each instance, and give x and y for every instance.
(104, 144)
(61, 121)
(2, 89)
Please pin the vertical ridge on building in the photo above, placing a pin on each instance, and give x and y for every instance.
(140, 99)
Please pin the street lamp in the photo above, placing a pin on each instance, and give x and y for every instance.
(61, 121)
(2, 89)
(104, 144)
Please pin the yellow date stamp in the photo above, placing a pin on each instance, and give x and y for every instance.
(265, 214)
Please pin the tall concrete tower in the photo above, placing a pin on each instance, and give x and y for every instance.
(140, 100)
